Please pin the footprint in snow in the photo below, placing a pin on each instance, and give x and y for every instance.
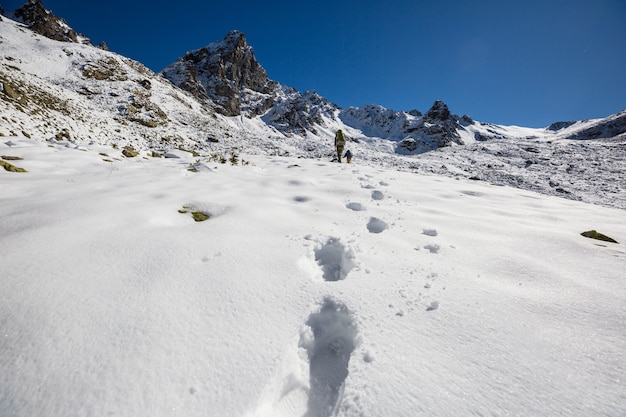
(355, 206)
(335, 259)
(376, 225)
(432, 248)
(329, 340)
(377, 195)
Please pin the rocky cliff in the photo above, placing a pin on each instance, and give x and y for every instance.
(34, 15)
(226, 73)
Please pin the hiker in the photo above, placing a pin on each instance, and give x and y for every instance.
(340, 141)
(348, 156)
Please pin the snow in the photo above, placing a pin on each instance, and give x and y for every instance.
(392, 286)
(314, 289)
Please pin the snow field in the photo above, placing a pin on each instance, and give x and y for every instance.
(290, 301)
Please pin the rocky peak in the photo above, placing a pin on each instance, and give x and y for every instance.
(226, 72)
(299, 113)
(438, 112)
(42, 21)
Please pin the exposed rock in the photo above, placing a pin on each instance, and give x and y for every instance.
(467, 119)
(607, 128)
(140, 109)
(63, 134)
(42, 21)
(145, 83)
(299, 113)
(375, 120)
(408, 144)
(106, 69)
(8, 90)
(227, 73)
(560, 125)
(129, 152)
(440, 126)
(438, 112)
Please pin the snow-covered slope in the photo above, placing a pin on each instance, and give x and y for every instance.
(63, 90)
(454, 282)
(313, 289)
(53, 88)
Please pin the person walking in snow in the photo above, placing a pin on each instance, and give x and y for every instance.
(348, 156)
(340, 142)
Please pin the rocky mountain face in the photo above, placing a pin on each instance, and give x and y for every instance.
(413, 131)
(228, 74)
(299, 113)
(34, 15)
(610, 127)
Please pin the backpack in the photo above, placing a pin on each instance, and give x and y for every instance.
(340, 139)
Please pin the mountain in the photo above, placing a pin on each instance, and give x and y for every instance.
(162, 258)
(227, 73)
(44, 22)
(219, 101)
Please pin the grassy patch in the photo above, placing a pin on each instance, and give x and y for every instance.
(592, 234)
(10, 167)
(129, 152)
(200, 216)
(197, 215)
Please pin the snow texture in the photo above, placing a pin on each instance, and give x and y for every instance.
(302, 294)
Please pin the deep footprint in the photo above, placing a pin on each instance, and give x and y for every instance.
(335, 259)
(329, 351)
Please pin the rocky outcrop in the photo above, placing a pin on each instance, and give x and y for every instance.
(438, 112)
(609, 127)
(34, 15)
(412, 131)
(226, 73)
(293, 112)
(556, 126)
(375, 120)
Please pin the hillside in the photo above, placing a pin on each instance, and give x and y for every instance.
(70, 89)
(163, 258)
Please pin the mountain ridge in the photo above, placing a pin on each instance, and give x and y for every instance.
(78, 93)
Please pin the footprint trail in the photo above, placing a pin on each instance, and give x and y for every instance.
(329, 348)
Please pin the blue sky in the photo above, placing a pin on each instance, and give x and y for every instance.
(527, 63)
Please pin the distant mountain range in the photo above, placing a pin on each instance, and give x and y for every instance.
(216, 96)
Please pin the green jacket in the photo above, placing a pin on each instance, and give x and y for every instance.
(340, 139)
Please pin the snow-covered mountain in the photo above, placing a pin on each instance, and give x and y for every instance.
(219, 100)
(227, 73)
(160, 258)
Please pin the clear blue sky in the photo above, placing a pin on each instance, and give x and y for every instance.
(527, 63)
